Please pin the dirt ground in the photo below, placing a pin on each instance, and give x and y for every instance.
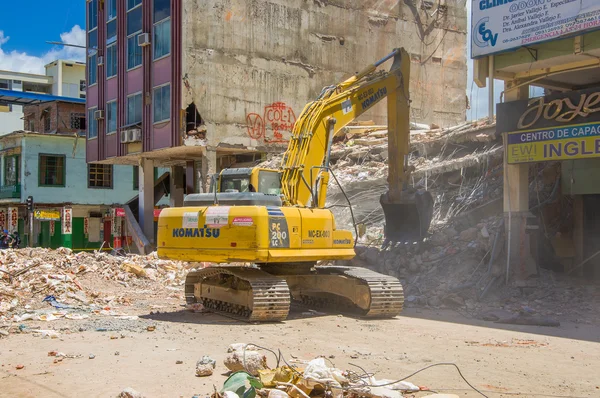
(500, 360)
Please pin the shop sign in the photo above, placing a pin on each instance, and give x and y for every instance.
(67, 221)
(13, 218)
(47, 215)
(562, 126)
(501, 25)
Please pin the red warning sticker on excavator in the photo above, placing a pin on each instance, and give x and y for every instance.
(243, 221)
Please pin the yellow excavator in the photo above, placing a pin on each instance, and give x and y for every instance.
(268, 228)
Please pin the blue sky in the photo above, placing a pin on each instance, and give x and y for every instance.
(26, 25)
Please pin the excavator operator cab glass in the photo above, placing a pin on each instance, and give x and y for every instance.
(269, 182)
(235, 183)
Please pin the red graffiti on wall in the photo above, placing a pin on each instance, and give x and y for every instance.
(278, 117)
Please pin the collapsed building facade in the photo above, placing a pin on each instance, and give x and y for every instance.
(203, 85)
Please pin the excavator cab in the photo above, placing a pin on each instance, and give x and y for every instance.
(255, 179)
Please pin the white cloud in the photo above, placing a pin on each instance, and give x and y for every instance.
(22, 62)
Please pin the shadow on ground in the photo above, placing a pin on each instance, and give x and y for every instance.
(568, 330)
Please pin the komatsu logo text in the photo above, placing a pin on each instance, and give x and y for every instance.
(371, 96)
(313, 233)
(196, 232)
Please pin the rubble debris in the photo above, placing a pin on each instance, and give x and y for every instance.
(205, 366)
(91, 356)
(32, 277)
(19, 367)
(242, 357)
(130, 393)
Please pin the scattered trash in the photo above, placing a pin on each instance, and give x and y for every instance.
(19, 367)
(117, 353)
(52, 301)
(151, 328)
(178, 362)
(242, 384)
(205, 366)
(92, 356)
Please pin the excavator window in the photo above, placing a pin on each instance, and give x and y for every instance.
(232, 183)
(269, 182)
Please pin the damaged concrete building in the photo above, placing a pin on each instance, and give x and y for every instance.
(202, 85)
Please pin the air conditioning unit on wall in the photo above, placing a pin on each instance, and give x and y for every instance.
(99, 114)
(134, 135)
(124, 136)
(143, 39)
(100, 60)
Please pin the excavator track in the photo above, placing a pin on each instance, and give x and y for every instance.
(242, 293)
(386, 296)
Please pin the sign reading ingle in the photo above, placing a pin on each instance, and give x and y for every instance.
(557, 127)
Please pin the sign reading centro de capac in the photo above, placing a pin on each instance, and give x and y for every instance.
(500, 25)
(557, 127)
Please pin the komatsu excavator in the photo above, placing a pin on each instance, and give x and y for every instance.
(269, 228)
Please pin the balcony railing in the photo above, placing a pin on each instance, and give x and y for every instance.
(10, 191)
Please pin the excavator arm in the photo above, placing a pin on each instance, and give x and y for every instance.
(305, 164)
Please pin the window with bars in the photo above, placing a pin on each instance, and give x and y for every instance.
(51, 171)
(78, 121)
(11, 170)
(100, 176)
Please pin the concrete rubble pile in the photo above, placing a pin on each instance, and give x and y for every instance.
(31, 279)
(461, 166)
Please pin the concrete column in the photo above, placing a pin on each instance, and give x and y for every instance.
(177, 186)
(209, 167)
(520, 264)
(190, 175)
(146, 198)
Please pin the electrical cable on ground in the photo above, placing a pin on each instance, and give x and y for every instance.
(282, 357)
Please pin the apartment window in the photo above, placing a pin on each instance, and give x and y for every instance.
(134, 108)
(111, 117)
(92, 124)
(111, 31)
(136, 178)
(4, 84)
(92, 69)
(92, 14)
(82, 86)
(78, 121)
(162, 28)
(134, 52)
(134, 20)
(52, 171)
(162, 10)
(162, 38)
(31, 125)
(111, 60)
(100, 175)
(162, 103)
(111, 9)
(11, 170)
(133, 3)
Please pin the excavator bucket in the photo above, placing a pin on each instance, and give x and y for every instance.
(409, 219)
